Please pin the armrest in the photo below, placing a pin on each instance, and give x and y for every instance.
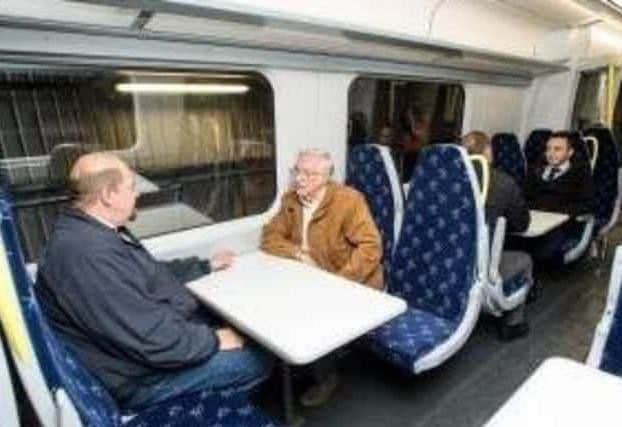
(496, 250)
(584, 218)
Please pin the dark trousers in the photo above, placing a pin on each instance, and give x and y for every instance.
(549, 249)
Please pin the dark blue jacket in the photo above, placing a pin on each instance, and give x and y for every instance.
(123, 313)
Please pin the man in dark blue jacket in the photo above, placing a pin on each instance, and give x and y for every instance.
(127, 316)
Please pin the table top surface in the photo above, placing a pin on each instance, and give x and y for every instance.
(299, 312)
(542, 222)
(562, 392)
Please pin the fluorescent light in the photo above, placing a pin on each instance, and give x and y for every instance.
(164, 88)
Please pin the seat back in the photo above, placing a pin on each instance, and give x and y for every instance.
(443, 235)
(508, 156)
(606, 178)
(372, 172)
(61, 369)
(535, 146)
(606, 350)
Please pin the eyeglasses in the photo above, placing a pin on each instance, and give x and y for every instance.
(304, 173)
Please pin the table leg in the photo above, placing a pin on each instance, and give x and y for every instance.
(289, 409)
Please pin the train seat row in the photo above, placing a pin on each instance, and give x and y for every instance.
(61, 388)
(597, 149)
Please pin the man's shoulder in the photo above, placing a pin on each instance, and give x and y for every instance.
(345, 193)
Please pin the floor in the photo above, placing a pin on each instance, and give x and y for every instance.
(468, 389)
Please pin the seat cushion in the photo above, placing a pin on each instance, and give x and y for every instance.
(202, 409)
(408, 337)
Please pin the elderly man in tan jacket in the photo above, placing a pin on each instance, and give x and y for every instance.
(326, 225)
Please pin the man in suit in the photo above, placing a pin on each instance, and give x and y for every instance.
(505, 198)
(561, 184)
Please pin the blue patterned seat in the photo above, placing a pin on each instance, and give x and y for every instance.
(508, 156)
(535, 146)
(606, 180)
(95, 407)
(606, 350)
(372, 172)
(435, 264)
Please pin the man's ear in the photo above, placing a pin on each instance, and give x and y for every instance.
(105, 195)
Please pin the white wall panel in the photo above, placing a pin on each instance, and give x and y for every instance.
(311, 110)
(492, 109)
(549, 102)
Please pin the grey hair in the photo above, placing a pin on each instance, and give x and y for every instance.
(323, 155)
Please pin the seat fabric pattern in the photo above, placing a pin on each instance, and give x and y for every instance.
(535, 146)
(606, 191)
(94, 404)
(434, 261)
(367, 173)
(403, 340)
(508, 156)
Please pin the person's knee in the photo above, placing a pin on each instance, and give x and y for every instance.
(254, 363)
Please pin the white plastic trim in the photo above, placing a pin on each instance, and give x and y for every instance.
(447, 349)
(67, 414)
(574, 253)
(616, 208)
(8, 407)
(604, 326)
(594, 155)
(398, 195)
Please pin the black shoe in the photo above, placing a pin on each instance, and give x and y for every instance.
(534, 292)
(512, 332)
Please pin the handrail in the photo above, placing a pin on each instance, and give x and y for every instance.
(594, 149)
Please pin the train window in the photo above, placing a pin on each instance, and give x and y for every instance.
(202, 143)
(405, 115)
(590, 101)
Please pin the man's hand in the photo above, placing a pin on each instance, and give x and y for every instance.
(221, 260)
(229, 339)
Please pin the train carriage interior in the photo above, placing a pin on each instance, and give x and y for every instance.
(210, 102)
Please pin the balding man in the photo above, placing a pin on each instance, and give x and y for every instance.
(123, 313)
(329, 226)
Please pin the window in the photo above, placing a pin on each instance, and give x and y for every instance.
(202, 144)
(405, 115)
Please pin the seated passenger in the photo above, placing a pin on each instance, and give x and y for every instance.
(505, 199)
(559, 185)
(125, 315)
(329, 226)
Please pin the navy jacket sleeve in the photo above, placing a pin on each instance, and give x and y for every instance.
(116, 305)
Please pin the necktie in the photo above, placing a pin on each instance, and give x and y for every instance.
(552, 174)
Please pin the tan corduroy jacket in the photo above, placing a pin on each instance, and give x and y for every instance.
(342, 236)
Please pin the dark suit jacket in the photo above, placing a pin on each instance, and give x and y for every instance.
(571, 193)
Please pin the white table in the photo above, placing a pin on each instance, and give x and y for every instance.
(563, 393)
(542, 222)
(300, 313)
(160, 219)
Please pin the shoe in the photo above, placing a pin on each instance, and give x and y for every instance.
(534, 292)
(512, 332)
(319, 393)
